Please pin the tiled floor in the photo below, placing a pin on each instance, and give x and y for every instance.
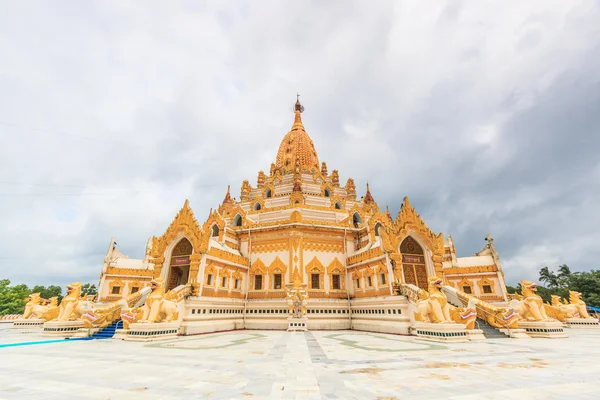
(294, 365)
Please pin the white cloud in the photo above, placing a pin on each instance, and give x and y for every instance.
(483, 113)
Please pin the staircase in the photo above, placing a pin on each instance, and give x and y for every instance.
(108, 332)
(489, 331)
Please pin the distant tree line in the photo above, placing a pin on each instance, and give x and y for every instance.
(559, 283)
(11, 297)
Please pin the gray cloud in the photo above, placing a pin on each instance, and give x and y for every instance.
(484, 114)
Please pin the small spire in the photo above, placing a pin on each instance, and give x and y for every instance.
(227, 198)
(186, 204)
(368, 199)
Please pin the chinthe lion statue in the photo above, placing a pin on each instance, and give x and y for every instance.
(576, 307)
(531, 307)
(157, 308)
(35, 306)
(73, 306)
(435, 307)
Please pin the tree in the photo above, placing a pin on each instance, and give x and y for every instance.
(11, 297)
(48, 292)
(88, 289)
(549, 277)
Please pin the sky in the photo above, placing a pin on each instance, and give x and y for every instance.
(486, 114)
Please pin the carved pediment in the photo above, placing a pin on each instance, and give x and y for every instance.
(406, 222)
(184, 222)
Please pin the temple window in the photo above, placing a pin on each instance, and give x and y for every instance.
(215, 231)
(237, 221)
(338, 205)
(335, 281)
(314, 281)
(467, 289)
(277, 281)
(257, 206)
(377, 226)
(224, 282)
(257, 282)
(134, 289)
(356, 219)
(382, 278)
(237, 283)
(327, 192)
(209, 280)
(116, 290)
(487, 289)
(268, 193)
(369, 281)
(357, 283)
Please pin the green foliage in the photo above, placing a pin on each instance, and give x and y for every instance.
(48, 292)
(86, 289)
(12, 298)
(559, 283)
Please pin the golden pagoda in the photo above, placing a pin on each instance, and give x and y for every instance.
(298, 223)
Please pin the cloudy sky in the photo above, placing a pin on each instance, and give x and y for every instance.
(486, 114)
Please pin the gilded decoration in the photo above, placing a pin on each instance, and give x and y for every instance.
(335, 178)
(350, 189)
(297, 145)
(378, 218)
(277, 266)
(269, 246)
(296, 217)
(336, 268)
(258, 267)
(129, 271)
(470, 270)
(210, 270)
(227, 256)
(486, 282)
(465, 282)
(315, 266)
(407, 222)
(296, 251)
(184, 222)
(364, 256)
(116, 283)
(245, 191)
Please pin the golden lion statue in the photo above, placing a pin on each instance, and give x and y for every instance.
(73, 306)
(40, 308)
(157, 308)
(434, 308)
(531, 307)
(576, 307)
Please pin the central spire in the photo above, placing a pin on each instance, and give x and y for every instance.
(298, 109)
(297, 145)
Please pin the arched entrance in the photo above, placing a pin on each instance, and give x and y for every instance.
(413, 263)
(179, 268)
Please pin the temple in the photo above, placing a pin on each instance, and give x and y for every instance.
(298, 223)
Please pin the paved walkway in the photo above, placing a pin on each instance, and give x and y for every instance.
(293, 365)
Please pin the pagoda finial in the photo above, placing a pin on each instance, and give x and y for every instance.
(298, 109)
(186, 204)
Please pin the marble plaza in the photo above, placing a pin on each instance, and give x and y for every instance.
(256, 364)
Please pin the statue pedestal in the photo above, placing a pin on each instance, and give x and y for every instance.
(28, 323)
(585, 323)
(65, 329)
(536, 329)
(515, 333)
(441, 332)
(475, 334)
(297, 324)
(148, 332)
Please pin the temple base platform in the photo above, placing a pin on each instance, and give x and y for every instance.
(65, 329)
(30, 323)
(475, 334)
(148, 332)
(536, 329)
(441, 332)
(297, 324)
(585, 323)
